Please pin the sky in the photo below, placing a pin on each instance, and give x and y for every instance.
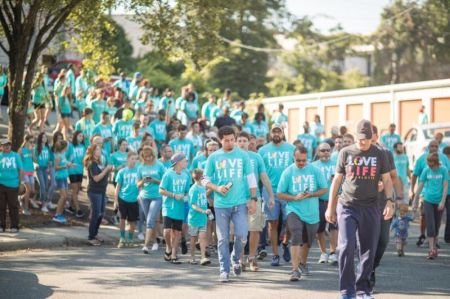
(355, 16)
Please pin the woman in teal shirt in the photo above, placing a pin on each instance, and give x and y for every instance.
(149, 177)
(119, 158)
(26, 154)
(62, 167)
(39, 98)
(65, 112)
(41, 156)
(76, 153)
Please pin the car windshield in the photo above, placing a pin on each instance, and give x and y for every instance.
(430, 133)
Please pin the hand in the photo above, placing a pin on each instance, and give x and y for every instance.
(110, 167)
(388, 210)
(208, 211)
(251, 205)
(223, 190)
(271, 202)
(301, 196)
(179, 196)
(411, 193)
(380, 186)
(441, 206)
(116, 203)
(330, 216)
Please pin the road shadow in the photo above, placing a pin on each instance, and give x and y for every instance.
(20, 284)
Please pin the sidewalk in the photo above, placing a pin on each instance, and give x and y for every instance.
(40, 238)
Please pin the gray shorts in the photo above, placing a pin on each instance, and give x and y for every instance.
(195, 230)
(301, 232)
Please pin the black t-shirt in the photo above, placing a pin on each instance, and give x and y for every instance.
(224, 121)
(93, 186)
(362, 171)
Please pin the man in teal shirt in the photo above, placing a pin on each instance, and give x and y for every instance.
(301, 185)
(308, 140)
(158, 128)
(11, 174)
(227, 173)
(183, 145)
(401, 163)
(390, 138)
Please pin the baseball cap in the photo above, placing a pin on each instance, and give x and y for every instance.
(5, 141)
(364, 129)
(137, 75)
(277, 126)
(177, 158)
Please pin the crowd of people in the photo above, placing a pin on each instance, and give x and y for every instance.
(209, 176)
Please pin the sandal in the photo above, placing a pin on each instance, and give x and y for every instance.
(167, 255)
(175, 261)
(193, 262)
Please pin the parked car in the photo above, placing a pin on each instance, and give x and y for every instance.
(419, 136)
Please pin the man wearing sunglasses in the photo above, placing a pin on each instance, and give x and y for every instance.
(327, 167)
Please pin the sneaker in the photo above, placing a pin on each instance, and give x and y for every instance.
(51, 206)
(34, 204)
(141, 236)
(237, 269)
(323, 258)
(44, 209)
(26, 212)
(145, 250)
(364, 296)
(59, 219)
(205, 261)
(275, 261)
(347, 297)
(155, 247)
(14, 230)
(184, 248)
(121, 243)
(332, 259)
(94, 242)
(193, 262)
(420, 241)
(67, 205)
(286, 253)
(372, 280)
(304, 269)
(79, 214)
(70, 210)
(262, 253)
(253, 265)
(224, 277)
(295, 275)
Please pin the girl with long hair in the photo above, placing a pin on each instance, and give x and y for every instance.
(76, 152)
(41, 157)
(26, 154)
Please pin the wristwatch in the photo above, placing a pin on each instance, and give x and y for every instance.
(254, 198)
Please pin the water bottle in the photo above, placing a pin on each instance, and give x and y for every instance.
(210, 216)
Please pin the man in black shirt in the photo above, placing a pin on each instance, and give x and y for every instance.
(225, 120)
(360, 167)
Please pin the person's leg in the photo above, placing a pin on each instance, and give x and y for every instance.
(144, 206)
(203, 243)
(223, 217)
(239, 219)
(41, 114)
(193, 241)
(176, 236)
(41, 173)
(52, 188)
(12, 199)
(26, 196)
(447, 221)
(383, 240)
(296, 233)
(368, 235)
(431, 223)
(95, 200)
(3, 205)
(102, 212)
(333, 239)
(152, 217)
(167, 237)
(61, 201)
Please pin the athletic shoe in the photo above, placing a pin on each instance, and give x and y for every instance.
(34, 204)
(323, 258)
(295, 275)
(155, 246)
(67, 204)
(26, 212)
(145, 250)
(121, 243)
(364, 296)
(44, 209)
(51, 206)
(205, 261)
(237, 269)
(59, 219)
(304, 269)
(79, 214)
(275, 261)
(372, 280)
(184, 248)
(253, 265)
(14, 230)
(70, 210)
(94, 242)
(420, 241)
(347, 297)
(399, 252)
(224, 277)
(141, 236)
(332, 259)
(286, 253)
(262, 253)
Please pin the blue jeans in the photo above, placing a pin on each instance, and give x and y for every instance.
(237, 215)
(98, 203)
(42, 177)
(150, 208)
(52, 188)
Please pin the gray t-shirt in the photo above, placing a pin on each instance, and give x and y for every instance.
(362, 170)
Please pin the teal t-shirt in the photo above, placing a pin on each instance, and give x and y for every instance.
(258, 168)
(310, 142)
(158, 130)
(237, 115)
(127, 179)
(39, 95)
(27, 160)
(433, 180)
(389, 140)
(261, 129)
(155, 171)
(402, 165)
(61, 174)
(197, 196)
(178, 184)
(214, 113)
(44, 157)
(294, 181)
(184, 146)
(206, 110)
(87, 127)
(191, 109)
(118, 159)
(225, 167)
(327, 169)
(198, 162)
(122, 129)
(164, 104)
(105, 131)
(76, 155)
(334, 156)
(247, 128)
(64, 105)
(167, 164)
(10, 166)
(421, 163)
(276, 159)
(279, 118)
(98, 106)
(134, 142)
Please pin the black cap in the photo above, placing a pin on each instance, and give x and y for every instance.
(364, 129)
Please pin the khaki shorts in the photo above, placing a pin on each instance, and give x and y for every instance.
(257, 221)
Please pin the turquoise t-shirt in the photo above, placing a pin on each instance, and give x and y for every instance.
(27, 160)
(184, 146)
(237, 115)
(158, 129)
(327, 169)
(105, 131)
(122, 129)
(258, 168)
(118, 159)
(87, 127)
(61, 174)
(167, 164)
(225, 167)
(127, 179)
(64, 105)
(44, 157)
(81, 104)
(197, 196)
(310, 142)
(402, 165)
(389, 140)
(334, 156)
(164, 103)
(247, 128)
(294, 181)
(76, 155)
(39, 95)
(260, 130)
(191, 109)
(155, 171)
(279, 118)
(421, 163)
(433, 180)
(214, 113)
(98, 106)
(199, 162)
(178, 184)
(10, 166)
(206, 110)
(276, 159)
(134, 142)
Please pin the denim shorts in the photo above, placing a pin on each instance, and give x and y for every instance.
(28, 179)
(62, 184)
(279, 208)
(195, 230)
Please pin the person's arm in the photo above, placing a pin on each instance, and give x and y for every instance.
(417, 195)
(116, 194)
(268, 185)
(330, 213)
(389, 208)
(97, 178)
(164, 192)
(444, 196)
(198, 209)
(301, 196)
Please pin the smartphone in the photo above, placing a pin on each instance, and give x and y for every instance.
(306, 190)
(229, 185)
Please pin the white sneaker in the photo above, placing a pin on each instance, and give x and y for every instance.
(332, 259)
(155, 247)
(34, 204)
(44, 209)
(141, 236)
(26, 212)
(145, 250)
(224, 277)
(51, 206)
(67, 204)
(323, 258)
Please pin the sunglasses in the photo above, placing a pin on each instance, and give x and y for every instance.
(324, 150)
(300, 160)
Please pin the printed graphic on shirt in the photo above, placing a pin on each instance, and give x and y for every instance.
(363, 168)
